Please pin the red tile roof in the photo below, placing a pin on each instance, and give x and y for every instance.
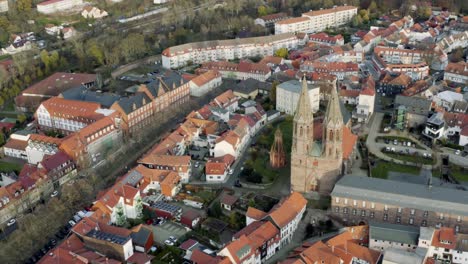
(16, 144)
(58, 83)
(288, 209)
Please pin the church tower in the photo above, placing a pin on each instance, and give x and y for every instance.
(302, 142)
(333, 127)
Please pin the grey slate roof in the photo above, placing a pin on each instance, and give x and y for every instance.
(127, 103)
(295, 86)
(394, 233)
(81, 93)
(394, 255)
(140, 237)
(250, 85)
(413, 105)
(403, 194)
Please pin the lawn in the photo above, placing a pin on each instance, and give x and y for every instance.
(168, 255)
(410, 158)
(383, 167)
(259, 158)
(9, 167)
(459, 173)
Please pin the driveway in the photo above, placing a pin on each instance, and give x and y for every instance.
(161, 233)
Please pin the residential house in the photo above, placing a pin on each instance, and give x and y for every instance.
(30, 98)
(435, 126)
(227, 100)
(447, 99)
(365, 107)
(15, 147)
(457, 73)
(182, 165)
(228, 201)
(217, 169)
(251, 88)
(221, 50)
(93, 12)
(392, 84)
(287, 96)
(228, 143)
(204, 83)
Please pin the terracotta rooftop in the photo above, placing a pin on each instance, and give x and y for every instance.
(288, 209)
(254, 213)
(16, 144)
(329, 10)
(293, 20)
(206, 77)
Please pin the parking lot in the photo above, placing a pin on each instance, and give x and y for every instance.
(161, 233)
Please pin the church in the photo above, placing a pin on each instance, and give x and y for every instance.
(321, 151)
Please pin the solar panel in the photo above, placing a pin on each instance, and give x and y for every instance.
(107, 237)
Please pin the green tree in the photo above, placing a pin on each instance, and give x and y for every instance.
(282, 52)
(23, 5)
(356, 21)
(373, 7)
(328, 3)
(21, 118)
(96, 52)
(273, 92)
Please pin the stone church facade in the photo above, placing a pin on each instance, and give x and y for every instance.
(318, 163)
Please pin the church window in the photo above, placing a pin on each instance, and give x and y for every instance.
(331, 135)
(337, 200)
(300, 131)
(354, 202)
(345, 201)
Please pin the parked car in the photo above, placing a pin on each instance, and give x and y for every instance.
(54, 194)
(168, 242)
(395, 142)
(237, 184)
(72, 223)
(231, 171)
(173, 239)
(457, 152)
(11, 222)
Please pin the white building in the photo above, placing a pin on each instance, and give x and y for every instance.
(3, 6)
(383, 236)
(53, 6)
(446, 99)
(230, 143)
(205, 83)
(16, 146)
(201, 52)
(463, 141)
(315, 21)
(40, 146)
(287, 96)
(366, 101)
(457, 72)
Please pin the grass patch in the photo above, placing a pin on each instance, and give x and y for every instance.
(9, 167)
(382, 168)
(168, 255)
(458, 172)
(410, 158)
(206, 196)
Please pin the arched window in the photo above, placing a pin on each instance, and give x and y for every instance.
(300, 133)
(331, 135)
(338, 135)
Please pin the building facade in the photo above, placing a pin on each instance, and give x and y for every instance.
(217, 50)
(357, 199)
(53, 6)
(316, 21)
(288, 93)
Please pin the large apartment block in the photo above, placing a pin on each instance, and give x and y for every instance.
(316, 21)
(357, 199)
(53, 6)
(201, 52)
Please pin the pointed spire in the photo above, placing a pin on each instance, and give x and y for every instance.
(304, 110)
(334, 109)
